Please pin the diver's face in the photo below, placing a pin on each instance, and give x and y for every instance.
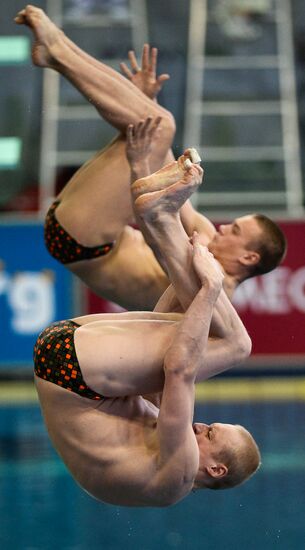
(212, 438)
(233, 240)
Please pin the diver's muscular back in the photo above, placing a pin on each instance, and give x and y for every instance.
(110, 446)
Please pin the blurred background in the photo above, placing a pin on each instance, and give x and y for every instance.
(237, 91)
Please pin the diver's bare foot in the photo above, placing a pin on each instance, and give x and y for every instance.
(164, 177)
(152, 204)
(47, 35)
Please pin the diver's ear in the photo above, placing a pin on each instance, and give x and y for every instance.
(250, 258)
(217, 470)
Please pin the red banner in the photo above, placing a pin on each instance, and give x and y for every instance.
(272, 307)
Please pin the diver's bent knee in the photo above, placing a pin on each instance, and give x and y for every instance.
(245, 348)
(169, 125)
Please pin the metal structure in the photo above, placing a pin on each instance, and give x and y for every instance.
(286, 200)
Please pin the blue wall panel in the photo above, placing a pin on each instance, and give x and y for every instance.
(35, 290)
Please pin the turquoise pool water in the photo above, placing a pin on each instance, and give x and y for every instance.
(41, 507)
